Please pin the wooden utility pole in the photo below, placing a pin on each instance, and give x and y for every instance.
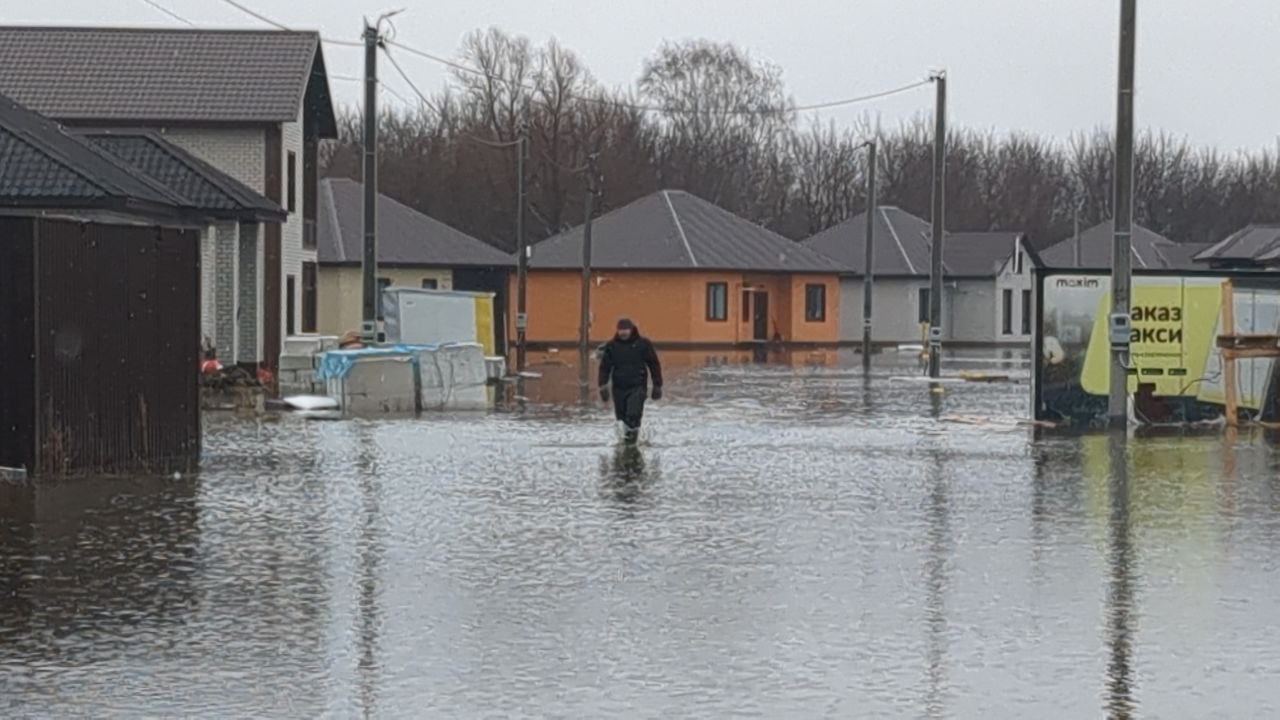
(584, 323)
(868, 275)
(369, 327)
(1121, 248)
(939, 225)
(522, 252)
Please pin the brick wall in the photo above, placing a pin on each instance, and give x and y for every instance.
(208, 286)
(292, 252)
(226, 251)
(238, 152)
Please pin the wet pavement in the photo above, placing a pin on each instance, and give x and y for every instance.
(789, 541)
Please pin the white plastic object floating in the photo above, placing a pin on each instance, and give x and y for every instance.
(311, 402)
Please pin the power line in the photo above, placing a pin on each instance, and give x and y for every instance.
(168, 12)
(387, 52)
(657, 108)
(593, 100)
(384, 86)
(491, 143)
(255, 14)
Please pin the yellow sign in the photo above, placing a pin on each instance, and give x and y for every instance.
(1173, 325)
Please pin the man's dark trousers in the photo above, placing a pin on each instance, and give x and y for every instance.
(628, 405)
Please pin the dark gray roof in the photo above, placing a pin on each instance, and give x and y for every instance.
(673, 230)
(151, 74)
(202, 186)
(978, 254)
(44, 167)
(1253, 244)
(405, 236)
(1151, 251)
(902, 243)
(1182, 256)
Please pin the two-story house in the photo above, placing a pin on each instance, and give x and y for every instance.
(253, 104)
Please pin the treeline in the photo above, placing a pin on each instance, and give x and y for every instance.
(710, 119)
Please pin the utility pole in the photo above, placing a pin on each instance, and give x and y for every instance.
(1121, 248)
(939, 226)
(584, 326)
(369, 328)
(868, 275)
(522, 252)
(1075, 236)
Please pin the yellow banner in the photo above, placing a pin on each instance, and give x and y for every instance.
(1173, 327)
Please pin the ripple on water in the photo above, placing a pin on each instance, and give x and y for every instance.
(787, 541)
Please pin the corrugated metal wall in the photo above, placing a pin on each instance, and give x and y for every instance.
(119, 333)
(17, 338)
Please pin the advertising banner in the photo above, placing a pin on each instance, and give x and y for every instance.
(1173, 364)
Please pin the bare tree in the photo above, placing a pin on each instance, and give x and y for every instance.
(708, 118)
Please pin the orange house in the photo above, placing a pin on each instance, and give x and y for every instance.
(689, 273)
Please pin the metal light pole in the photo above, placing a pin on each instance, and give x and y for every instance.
(939, 226)
(369, 327)
(584, 323)
(1121, 248)
(868, 275)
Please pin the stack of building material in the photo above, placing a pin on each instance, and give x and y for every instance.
(422, 317)
(300, 361)
(371, 380)
(454, 377)
(407, 378)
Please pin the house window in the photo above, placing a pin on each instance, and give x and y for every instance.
(383, 284)
(718, 301)
(1006, 311)
(815, 303)
(1026, 312)
(309, 298)
(291, 192)
(746, 306)
(1018, 262)
(922, 306)
(290, 290)
(430, 284)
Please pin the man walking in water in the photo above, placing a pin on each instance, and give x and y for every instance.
(626, 362)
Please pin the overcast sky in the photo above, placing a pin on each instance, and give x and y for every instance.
(1209, 71)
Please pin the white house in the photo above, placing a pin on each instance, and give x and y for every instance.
(253, 104)
(990, 282)
(982, 271)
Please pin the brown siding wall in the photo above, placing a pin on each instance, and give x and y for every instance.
(17, 339)
(119, 333)
(671, 306)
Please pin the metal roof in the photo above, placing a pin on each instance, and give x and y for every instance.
(1151, 251)
(165, 75)
(1250, 244)
(405, 236)
(902, 243)
(42, 166)
(979, 254)
(674, 230)
(201, 185)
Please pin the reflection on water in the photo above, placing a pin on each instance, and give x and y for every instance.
(626, 477)
(935, 581)
(1120, 600)
(791, 540)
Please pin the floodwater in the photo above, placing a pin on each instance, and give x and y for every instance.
(790, 541)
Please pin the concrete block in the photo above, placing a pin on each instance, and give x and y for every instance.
(297, 362)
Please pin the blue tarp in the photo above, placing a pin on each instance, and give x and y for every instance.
(335, 364)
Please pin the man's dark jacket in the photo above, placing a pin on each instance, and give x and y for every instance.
(629, 363)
